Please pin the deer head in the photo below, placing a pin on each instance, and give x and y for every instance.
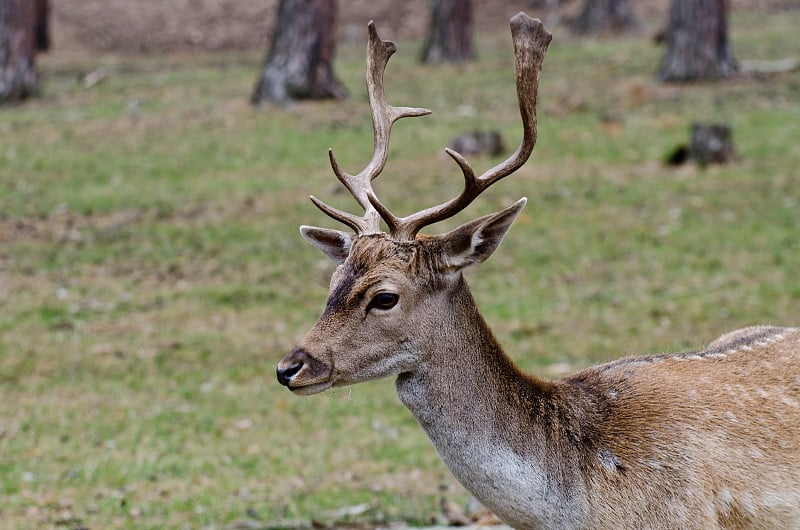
(391, 289)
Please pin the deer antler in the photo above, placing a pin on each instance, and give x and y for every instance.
(383, 116)
(530, 44)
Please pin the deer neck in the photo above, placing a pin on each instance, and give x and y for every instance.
(494, 426)
(464, 374)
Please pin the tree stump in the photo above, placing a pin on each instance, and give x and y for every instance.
(479, 143)
(300, 61)
(709, 143)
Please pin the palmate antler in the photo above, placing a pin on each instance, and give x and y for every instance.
(530, 43)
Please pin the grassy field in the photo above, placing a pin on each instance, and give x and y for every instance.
(151, 272)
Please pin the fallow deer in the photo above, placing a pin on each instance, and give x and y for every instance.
(676, 441)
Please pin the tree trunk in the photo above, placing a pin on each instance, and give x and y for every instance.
(18, 78)
(450, 33)
(42, 29)
(544, 4)
(604, 16)
(697, 42)
(300, 61)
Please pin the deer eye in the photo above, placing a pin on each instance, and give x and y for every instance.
(383, 301)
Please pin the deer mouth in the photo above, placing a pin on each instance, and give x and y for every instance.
(313, 388)
(303, 374)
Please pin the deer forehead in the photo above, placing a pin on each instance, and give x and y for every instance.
(378, 259)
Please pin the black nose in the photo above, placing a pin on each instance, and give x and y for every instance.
(285, 374)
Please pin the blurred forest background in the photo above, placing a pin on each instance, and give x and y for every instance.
(204, 25)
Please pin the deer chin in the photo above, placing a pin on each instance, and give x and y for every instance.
(311, 389)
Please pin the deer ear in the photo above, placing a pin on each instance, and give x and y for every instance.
(333, 243)
(476, 240)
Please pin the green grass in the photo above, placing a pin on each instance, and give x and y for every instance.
(151, 272)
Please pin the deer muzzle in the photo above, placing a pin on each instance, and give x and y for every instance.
(302, 373)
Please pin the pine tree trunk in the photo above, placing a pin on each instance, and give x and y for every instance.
(604, 16)
(18, 78)
(300, 61)
(697, 42)
(450, 33)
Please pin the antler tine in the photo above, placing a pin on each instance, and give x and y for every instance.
(530, 44)
(358, 224)
(383, 117)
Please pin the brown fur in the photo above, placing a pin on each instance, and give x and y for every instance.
(694, 440)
